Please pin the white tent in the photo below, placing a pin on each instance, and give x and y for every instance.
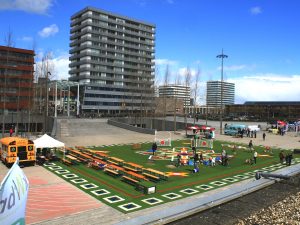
(48, 142)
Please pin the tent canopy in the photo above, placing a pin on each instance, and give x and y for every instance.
(203, 127)
(48, 142)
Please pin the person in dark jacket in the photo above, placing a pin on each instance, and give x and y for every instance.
(154, 148)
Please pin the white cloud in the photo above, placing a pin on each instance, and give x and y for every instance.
(61, 67)
(160, 62)
(182, 71)
(59, 64)
(255, 10)
(26, 38)
(49, 31)
(234, 67)
(267, 87)
(237, 67)
(32, 6)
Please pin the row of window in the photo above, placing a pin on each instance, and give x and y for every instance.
(15, 63)
(121, 62)
(116, 40)
(122, 27)
(115, 33)
(115, 104)
(116, 47)
(10, 72)
(15, 55)
(121, 21)
(116, 89)
(113, 96)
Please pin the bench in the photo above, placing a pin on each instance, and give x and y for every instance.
(151, 176)
(130, 180)
(67, 162)
(129, 168)
(112, 172)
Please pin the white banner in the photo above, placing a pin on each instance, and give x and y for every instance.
(13, 196)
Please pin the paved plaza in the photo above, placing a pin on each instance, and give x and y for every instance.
(54, 201)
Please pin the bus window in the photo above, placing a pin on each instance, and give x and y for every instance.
(12, 149)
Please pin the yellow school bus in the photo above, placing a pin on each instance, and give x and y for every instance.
(13, 147)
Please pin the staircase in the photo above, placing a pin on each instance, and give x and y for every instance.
(64, 128)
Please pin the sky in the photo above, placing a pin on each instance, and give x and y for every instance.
(260, 37)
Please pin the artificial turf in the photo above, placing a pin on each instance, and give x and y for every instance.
(174, 184)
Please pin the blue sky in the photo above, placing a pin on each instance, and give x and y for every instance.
(260, 37)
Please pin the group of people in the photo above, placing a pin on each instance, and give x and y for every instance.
(288, 158)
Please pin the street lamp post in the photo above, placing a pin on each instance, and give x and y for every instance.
(47, 100)
(222, 56)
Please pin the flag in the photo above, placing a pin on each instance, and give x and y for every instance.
(13, 196)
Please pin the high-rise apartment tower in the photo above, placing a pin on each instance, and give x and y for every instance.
(112, 57)
(214, 90)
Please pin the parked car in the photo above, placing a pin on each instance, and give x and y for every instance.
(234, 129)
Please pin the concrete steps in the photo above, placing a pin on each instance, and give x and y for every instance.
(64, 128)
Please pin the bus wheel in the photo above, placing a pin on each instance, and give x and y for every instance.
(8, 165)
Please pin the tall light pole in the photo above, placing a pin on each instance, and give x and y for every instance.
(47, 100)
(222, 56)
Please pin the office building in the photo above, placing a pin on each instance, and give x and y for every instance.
(214, 90)
(265, 110)
(112, 57)
(176, 91)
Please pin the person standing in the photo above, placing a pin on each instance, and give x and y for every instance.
(201, 157)
(178, 160)
(290, 157)
(264, 136)
(11, 131)
(223, 155)
(255, 156)
(281, 157)
(196, 163)
(250, 145)
(194, 151)
(154, 148)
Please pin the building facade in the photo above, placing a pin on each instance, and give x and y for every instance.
(214, 90)
(112, 57)
(265, 110)
(16, 79)
(176, 91)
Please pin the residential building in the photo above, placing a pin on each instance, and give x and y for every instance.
(16, 79)
(214, 90)
(181, 92)
(112, 57)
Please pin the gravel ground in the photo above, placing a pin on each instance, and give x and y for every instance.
(276, 204)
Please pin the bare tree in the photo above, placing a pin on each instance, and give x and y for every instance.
(196, 89)
(44, 70)
(9, 42)
(187, 80)
(176, 82)
(155, 88)
(166, 82)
